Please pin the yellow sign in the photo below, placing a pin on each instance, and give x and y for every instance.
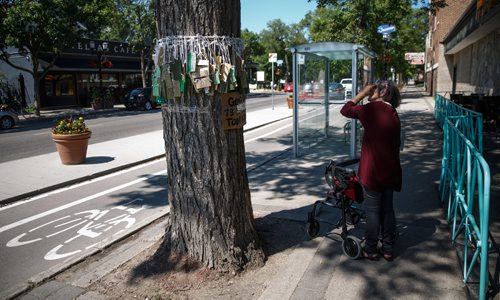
(234, 114)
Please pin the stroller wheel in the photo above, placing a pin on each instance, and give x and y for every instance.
(351, 247)
(312, 228)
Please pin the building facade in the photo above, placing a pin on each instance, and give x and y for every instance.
(439, 26)
(463, 54)
(82, 69)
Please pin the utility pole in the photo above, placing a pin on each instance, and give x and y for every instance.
(273, 57)
(386, 31)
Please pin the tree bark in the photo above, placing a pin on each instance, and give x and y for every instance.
(211, 217)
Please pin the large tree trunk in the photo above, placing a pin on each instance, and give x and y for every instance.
(211, 217)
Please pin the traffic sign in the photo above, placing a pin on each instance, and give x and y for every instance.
(386, 29)
(301, 59)
(273, 57)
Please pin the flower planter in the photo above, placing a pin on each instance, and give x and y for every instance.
(289, 101)
(72, 148)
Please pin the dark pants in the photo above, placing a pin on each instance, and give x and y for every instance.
(380, 220)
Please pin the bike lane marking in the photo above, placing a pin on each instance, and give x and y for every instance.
(77, 185)
(77, 202)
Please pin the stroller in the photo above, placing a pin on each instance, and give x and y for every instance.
(346, 194)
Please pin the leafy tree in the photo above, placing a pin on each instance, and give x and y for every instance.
(357, 22)
(133, 21)
(276, 38)
(46, 26)
(211, 216)
(253, 49)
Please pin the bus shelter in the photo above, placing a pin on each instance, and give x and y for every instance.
(318, 70)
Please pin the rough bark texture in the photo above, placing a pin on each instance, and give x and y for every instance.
(211, 217)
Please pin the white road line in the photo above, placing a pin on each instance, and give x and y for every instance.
(269, 133)
(77, 202)
(80, 184)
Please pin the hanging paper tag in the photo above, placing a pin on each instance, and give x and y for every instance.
(224, 71)
(203, 62)
(216, 77)
(176, 69)
(202, 71)
(177, 88)
(191, 62)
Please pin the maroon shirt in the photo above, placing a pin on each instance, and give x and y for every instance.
(379, 167)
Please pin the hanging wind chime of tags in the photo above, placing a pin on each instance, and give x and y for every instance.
(212, 64)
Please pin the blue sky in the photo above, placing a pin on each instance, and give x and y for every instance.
(256, 13)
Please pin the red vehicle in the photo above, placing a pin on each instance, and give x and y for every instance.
(288, 87)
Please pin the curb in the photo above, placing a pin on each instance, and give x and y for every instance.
(77, 180)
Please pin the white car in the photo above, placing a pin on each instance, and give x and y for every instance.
(347, 83)
(8, 119)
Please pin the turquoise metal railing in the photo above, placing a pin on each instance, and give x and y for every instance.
(465, 188)
(471, 125)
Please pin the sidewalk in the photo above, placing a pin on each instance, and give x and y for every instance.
(426, 266)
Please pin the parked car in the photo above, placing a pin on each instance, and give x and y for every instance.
(336, 91)
(347, 83)
(308, 89)
(8, 119)
(288, 87)
(139, 98)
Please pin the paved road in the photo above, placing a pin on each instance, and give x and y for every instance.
(33, 138)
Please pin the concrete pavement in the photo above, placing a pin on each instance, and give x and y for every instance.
(425, 267)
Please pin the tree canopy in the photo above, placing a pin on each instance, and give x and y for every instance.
(48, 26)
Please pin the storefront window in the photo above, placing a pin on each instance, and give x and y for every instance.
(59, 85)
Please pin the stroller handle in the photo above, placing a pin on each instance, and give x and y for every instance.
(348, 162)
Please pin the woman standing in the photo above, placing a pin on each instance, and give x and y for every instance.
(379, 168)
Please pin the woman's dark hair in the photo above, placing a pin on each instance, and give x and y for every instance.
(392, 94)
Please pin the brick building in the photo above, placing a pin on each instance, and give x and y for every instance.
(439, 26)
(463, 46)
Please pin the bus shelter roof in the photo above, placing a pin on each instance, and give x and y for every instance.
(333, 50)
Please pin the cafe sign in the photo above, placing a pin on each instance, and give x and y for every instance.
(114, 48)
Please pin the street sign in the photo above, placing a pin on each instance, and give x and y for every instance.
(386, 29)
(301, 59)
(260, 76)
(415, 58)
(279, 62)
(273, 57)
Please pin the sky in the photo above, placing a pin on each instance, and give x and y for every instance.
(256, 13)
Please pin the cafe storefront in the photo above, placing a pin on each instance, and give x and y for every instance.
(91, 65)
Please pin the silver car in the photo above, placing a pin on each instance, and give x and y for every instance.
(8, 119)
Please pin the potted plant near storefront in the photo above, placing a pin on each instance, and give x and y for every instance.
(71, 136)
(102, 99)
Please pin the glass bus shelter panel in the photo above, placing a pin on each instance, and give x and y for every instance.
(311, 114)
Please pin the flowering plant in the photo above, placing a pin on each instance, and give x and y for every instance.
(71, 125)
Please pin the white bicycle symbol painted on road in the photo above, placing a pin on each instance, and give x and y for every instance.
(90, 223)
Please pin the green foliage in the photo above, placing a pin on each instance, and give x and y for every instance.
(276, 38)
(133, 21)
(356, 21)
(47, 26)
(71, 125)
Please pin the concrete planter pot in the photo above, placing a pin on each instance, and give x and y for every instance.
(289, 101)
(72, 148)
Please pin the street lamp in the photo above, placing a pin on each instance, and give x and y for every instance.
(100, 51)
